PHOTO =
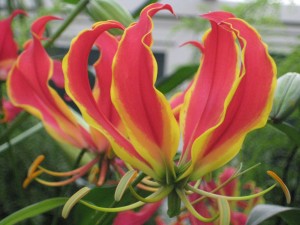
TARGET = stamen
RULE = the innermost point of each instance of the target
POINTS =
(224, 210)
(162, 193)
(32, 176)
(73, 200)
(234, 176)
(282, 185)
(35, 165)
(57, 183)
(231, 198)
(149, 182)
(191, 209)
(32, 173)
(103, 171)
(147, 188)
(71, 172)
(124, 183)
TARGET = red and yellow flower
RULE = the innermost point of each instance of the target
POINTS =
(230, 96)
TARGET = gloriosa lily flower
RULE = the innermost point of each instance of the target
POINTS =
(230, 96)
(29, 88)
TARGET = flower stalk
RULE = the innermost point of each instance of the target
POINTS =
(78, 8)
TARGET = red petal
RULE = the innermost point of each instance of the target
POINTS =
(145, 112)
(204, 102)
(8, 46)
(251, 103)
(28, 88)
(75, 65)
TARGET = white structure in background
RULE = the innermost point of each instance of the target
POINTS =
(281, 40)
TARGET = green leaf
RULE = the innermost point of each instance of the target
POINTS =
(33, 210)
(183, 73)
(292, 132)
(263, 212)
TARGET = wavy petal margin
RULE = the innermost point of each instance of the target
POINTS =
(75, 67)
(205, 102)
(248, 108)
(145, 112)
(28, 88)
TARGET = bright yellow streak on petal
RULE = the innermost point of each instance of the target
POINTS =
(282, 185)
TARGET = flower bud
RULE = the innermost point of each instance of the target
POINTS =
(102, 10)
(287, 96)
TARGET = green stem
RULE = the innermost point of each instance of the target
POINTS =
(10, 6)
(21, 136)
(15, 124)
(79, 158)
(138, 179)
(79, 7)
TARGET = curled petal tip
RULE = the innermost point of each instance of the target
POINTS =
(18, 12)
(194, 43)
(39, 25)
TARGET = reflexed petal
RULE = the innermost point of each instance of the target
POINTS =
(107, 45)
(75, 66)
(145, 112)
(28, 88)
(206, 100)
(250, 106)
(8, 46)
